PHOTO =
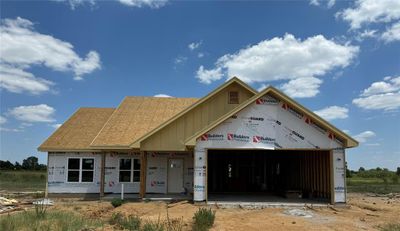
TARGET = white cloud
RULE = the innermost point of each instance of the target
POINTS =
(200, 55)
(389, 84)
(381, 95)
(10, 129)
(33, 113)
(366, 12)
(373, 144)
(364, 136)
(333, 112)
(56, 126)
(180, 59)
(162, 96)
(329, 3)
(302, 87)
(366, 34)
(3, 120)
(208, 76)
(131, 3)
(194, 45)
(387, 101)
(23, 47)
(284, 58)
(75, 3)
(17, 80)
(392, 34)
(141, 3)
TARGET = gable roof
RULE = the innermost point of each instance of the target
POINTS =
(136, 143)
(135, 117)
(348, 140)
(78, 131)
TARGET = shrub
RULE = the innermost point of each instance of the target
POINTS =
(131, 223)
(117, 202)
(40, 210)
(116, 219)
(203, 219)
(153, 226)
(395, 179)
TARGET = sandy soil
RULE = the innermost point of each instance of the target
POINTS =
(363, 212)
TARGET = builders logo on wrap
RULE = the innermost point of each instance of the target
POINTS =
(207, 137)
(252, 118)
(263, 139)
(238, 137)
(156, 183)
(267, 100)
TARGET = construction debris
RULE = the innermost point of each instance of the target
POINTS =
(4, 201)
(45, 201)
(299, 213)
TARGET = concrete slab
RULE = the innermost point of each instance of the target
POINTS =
(262, 201)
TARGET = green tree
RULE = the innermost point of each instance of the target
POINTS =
(30, 163)
(17, 165)
(398, 171)
(348, 172)
(6, 165)
(361, 169)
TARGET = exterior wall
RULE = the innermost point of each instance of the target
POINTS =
(157, 171)
(173, 136)
(265, 124)
(111, 178)
(156, 179)
(57, 174)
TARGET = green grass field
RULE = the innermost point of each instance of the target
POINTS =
(21, 180)
(372, 185)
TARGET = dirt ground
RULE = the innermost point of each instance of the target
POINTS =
(363, 212)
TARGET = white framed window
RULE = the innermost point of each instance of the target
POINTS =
(80, 170)
(129, 170)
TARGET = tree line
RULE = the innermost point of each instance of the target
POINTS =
(381, 173)
(30, 163)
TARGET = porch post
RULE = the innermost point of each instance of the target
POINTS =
(143, 172)
(102, 173)
(46, 193)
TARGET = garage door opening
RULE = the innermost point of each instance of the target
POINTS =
(268, 175)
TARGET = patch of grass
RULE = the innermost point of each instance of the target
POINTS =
(21, 180)
(390, 227)
(203, 219)
(51, 220)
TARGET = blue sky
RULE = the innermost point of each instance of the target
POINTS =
(332, 57)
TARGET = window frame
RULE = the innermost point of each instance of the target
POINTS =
(132, 169)
(80, 170)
